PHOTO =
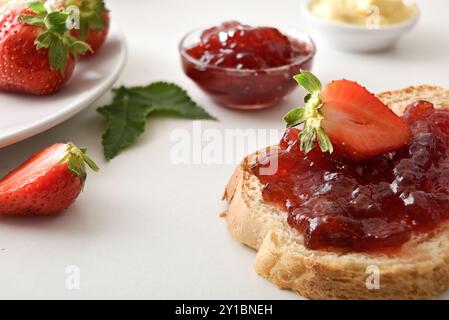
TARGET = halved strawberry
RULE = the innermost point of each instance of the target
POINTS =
(359, 123)
(47, 183)
(348, 117)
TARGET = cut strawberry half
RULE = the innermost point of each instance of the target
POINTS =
(47, 183)
(345, 116)
(359, 123)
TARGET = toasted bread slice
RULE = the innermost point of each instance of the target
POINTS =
(420, 270)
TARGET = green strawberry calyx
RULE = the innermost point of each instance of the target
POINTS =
(91, 16)
(56, 37)
(310, 115)
(76, 159)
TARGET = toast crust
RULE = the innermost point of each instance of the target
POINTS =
(419, 270)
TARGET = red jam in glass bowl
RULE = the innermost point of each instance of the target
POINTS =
(246, 67)
(374, 205)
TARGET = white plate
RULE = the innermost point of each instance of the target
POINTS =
(24, 116)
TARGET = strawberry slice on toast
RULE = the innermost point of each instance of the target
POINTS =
(348, 118)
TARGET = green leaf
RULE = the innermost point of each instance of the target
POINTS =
(44, 40)
(58, 55)
(32, 20)
(324, 142)
(76, 158)
(126, 122)
(37, 7)
(308, 137)
(103, 111)
(88, 160)
(169, 99)
(295, 117)
(126, 115)
(307, 97)
(79, 47)
(311, 115)
(55, 21)
(309, 81)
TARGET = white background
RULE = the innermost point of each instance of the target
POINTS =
(145, 228)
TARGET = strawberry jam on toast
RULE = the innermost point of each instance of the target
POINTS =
(358, 177)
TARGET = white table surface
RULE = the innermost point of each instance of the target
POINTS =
(148, 229)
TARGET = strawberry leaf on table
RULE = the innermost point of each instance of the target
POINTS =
(125, 122)
(168, 99)
(126, 115)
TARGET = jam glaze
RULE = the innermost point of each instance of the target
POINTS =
(375, 205)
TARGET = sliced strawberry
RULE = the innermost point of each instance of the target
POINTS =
(47, 183)
(348, 118)
(358, 123)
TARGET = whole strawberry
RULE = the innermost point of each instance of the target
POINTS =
(37, 51)
(47, 183)
(93, 23)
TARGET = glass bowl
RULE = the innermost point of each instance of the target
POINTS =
(246, 89)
